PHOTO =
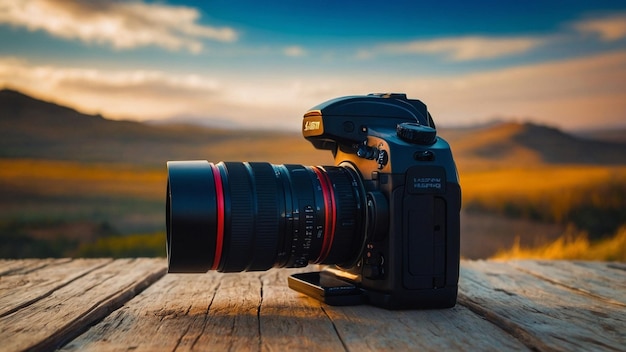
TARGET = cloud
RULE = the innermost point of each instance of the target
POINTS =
(470, 48)
(139, 94)
(459, 49)
(153, 94)
(123, 25)
(573, 93)
(294, 51)
(608, 28)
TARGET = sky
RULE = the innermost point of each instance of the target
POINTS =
(262, 64)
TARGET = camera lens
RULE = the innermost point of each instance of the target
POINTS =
(243, 216)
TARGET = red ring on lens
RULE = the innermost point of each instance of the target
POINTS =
(219, 235)
(329, 213)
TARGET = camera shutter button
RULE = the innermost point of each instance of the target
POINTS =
(415, 133)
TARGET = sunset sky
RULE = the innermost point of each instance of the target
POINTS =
(262, 64)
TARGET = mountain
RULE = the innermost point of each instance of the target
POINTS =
(617, 135)
(511, 143)
(31, 128)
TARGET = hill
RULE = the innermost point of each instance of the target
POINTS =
(526, 144)
(31, 128)
(617, 135)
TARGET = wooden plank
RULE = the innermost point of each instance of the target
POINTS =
(542, 315)
(366, 328)
(31, 283)
(23, 266)
(527, 305)
(242, 312)
(600, 279)
(292, 321)
(71, 308)
(230, 322)
(257, 311)
(157, 319)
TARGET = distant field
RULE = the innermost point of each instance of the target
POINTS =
(588, 202)
(591, 197)
(42, 191)
(75, 179)
(103, 209)
(536, 180)
(50, 208)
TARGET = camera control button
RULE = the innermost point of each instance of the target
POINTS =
(382, 159)
(425, 155)
(415, 133)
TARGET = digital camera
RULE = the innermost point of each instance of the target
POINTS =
(384, 218)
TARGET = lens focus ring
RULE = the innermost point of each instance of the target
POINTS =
(266, 235)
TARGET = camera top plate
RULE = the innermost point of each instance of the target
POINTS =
(347, 120)
(387, 105)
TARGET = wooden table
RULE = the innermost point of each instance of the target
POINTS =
(130, 304)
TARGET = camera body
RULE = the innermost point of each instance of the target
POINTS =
(410, 255)
(385, 216)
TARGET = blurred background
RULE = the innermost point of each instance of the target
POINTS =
(95, 97)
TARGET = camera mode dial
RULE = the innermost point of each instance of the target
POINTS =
(415, 133)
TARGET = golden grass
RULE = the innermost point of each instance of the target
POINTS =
(518, 180)
(550, 191)
(572, 246)
(70, 178)
(140, 245)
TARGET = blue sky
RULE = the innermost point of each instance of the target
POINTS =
(263, 64)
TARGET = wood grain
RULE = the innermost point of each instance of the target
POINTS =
(23, 266)
(600, 280)
(258, 312)
(69, 308)
(37, 282)
(129, 304)
(542, 315)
